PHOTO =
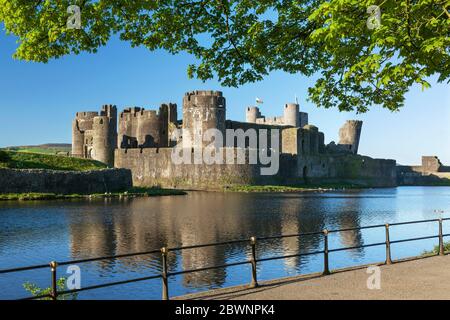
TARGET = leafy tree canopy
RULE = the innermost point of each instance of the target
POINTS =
(241, 41)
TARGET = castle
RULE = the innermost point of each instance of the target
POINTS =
(430, 172)
(143, 141)
(94, 135)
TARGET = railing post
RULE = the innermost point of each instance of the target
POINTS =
(388, 245)
(441, 239)
(326, 268)
(254, 283)
(54, 292)
(165, 284)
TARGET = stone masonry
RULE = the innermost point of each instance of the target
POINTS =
(145, 142)
(64, 182)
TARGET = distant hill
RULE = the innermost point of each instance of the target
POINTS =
(47, 148)
(28, 160)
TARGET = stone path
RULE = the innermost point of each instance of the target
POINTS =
(426, 278)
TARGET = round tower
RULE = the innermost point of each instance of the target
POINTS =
(147, 133)
(292, 115)
(110, 111)
(202, 110)
(350, 134)
(252, 114)
(103, 146)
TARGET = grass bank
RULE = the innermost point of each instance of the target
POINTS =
(435, 250)
(49, 148)
(131, 193)
(25, 160)
(291, 188)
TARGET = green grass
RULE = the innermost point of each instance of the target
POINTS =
(24, 160)
(294, 188)
(39, 150)
(51, 148)
(132, 193)
(152, 192)
(436, 249)
(442, 183)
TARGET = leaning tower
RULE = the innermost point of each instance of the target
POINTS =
(202, 110)
(350, 134)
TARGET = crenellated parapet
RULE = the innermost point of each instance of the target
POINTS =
(291, 116)
(140, 128)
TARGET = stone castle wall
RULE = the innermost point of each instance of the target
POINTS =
(431, 172)
(145, 146)
(64, 182)
(154, 167)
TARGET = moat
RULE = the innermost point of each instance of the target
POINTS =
(37, 232)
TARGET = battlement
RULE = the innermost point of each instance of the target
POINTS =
(86, 115)
(291, 116)
(136, 113)
(106, 107)
(275, 121)
(109, 110)
(100, 120)
(148, 114)
(204, 99)
(130, 112)
(204, 93)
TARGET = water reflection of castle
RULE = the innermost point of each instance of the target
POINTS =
(145, 224)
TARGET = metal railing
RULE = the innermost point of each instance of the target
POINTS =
(253, 261)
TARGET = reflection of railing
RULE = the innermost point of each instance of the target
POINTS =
(165, 274)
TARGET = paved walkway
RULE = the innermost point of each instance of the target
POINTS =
(426, 278)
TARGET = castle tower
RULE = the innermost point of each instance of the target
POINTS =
(292, 115)
(147, 133)
(104, 135)
(350, 134)
(202, 110)
(81, 125)
(111, 112)
(252, 114)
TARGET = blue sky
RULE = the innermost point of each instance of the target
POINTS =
(38, 101)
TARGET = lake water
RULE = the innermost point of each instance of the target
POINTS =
(38, 232)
